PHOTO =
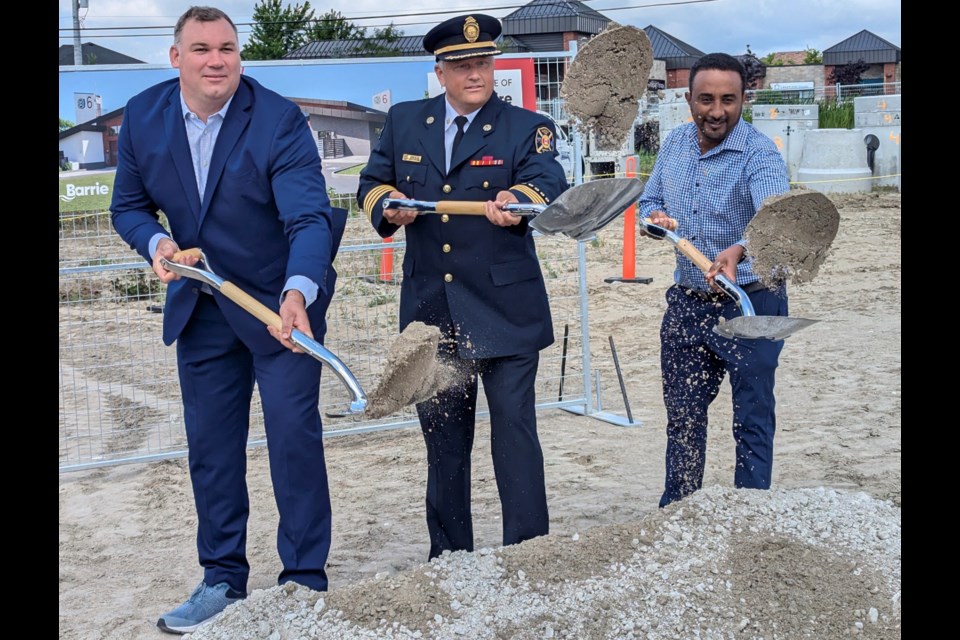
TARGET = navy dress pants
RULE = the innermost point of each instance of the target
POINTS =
(217, 375)
(693, 362)
(447, 422)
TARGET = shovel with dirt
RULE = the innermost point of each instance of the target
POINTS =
(579, 212)
(412, 373)
(789, 236)
(257, 309)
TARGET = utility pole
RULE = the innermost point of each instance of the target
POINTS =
(77, 47)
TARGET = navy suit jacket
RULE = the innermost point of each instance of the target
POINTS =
(462, 270)
(265, 215)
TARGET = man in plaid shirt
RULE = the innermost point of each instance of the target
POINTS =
(711, 176)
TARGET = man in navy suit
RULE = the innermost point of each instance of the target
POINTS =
(477, 278)
(234, 169)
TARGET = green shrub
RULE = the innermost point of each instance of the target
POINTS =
(835, 115)
(646, 162)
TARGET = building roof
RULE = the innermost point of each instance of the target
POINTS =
(339, 109)
(359, 48)
(554, 16)
(676, 53)
(513, 44)
(95, 54)
(863, 45)
(98, 124)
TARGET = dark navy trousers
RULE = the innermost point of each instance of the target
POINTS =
(447, 422)
(693, 362)
(217, 375)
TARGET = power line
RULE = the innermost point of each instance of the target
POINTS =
(169, 28)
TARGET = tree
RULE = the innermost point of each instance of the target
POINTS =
(771, 60)
(277, 30)
(812, 56)
(333, 26)
(378, 44)
(65, 124)
(753, 68)
(848, 73)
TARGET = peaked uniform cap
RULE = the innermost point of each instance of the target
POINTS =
(467, 36)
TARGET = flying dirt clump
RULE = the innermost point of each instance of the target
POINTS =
(603, 85)
(791, 235)
(412, 373)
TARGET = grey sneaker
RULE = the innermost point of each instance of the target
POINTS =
(204, 604)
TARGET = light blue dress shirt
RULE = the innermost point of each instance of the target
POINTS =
(202, 139)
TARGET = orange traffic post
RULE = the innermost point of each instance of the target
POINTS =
(629, 251)
(629, 228)
(386, 261)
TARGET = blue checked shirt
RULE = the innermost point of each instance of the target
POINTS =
(714, 195)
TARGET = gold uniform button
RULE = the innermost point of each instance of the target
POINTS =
(447, 188)
(448, 277)
(444, 218)
(446, 248)
(430, 120)
(486, 185)
(408, 178)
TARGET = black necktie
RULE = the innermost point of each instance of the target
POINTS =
(461, 122)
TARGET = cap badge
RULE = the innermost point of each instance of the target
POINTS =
(471, 30)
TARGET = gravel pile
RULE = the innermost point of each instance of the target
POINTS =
(724, 563)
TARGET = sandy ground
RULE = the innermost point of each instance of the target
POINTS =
(127, 533)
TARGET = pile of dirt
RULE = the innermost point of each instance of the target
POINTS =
(791, 235)
(807, 563)
(603, 85)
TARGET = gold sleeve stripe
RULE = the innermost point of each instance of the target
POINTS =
(374, 196)
(535, 197)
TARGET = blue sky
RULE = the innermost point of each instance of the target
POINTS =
(356, 83)
(709, 25)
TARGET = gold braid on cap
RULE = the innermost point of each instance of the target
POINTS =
(462, 47)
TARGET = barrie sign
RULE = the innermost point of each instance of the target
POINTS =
(75, 191)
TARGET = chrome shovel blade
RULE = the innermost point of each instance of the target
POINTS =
(761, 327)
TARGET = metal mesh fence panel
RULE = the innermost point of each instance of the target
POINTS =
(119, 392)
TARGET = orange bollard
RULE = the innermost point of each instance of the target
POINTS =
(630, 228)
(386, 261)
(629, 251)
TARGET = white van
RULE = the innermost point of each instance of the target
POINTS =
(564, 147)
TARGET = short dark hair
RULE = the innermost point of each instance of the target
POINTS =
(200, 14)
(719, 62)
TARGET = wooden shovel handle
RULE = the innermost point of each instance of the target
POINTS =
(686, 248)
(196, 253)
(247, 302)
(460, 207)
(251, 305)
